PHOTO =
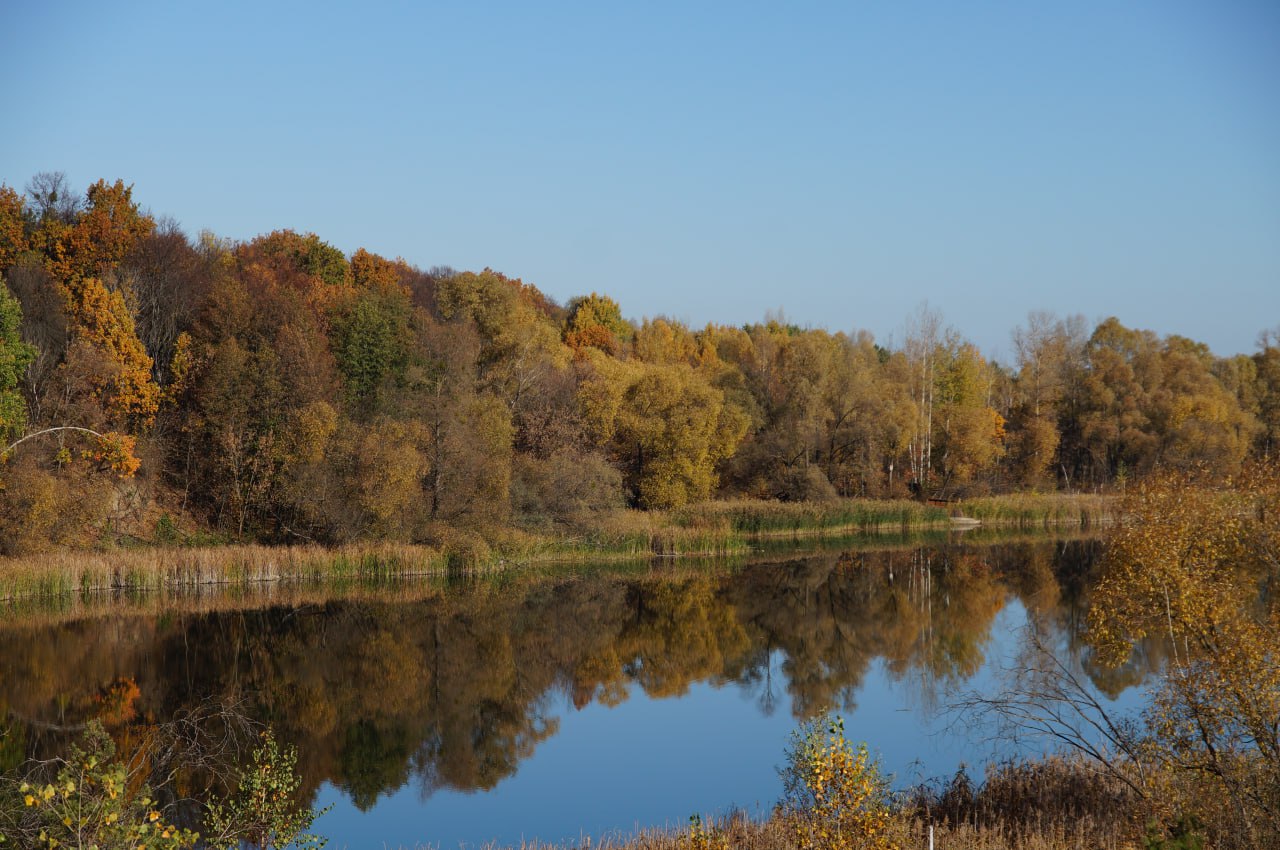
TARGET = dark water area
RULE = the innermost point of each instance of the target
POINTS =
(557, 707)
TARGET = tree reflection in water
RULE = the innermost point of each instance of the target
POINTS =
(455, 690)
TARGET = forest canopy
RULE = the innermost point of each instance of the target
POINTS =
(277, 389)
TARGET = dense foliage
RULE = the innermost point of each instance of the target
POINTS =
(1198, 566)
(102, 801)
(279, 390)
(1189, 574)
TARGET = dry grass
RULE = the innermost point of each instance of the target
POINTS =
(1042, 509)
(741, 833)
(166, 568)
(759, 518)
(1067, 799)
(709, 530)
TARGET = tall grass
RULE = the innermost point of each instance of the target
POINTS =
(767, 518)
(69, 573)
(711, 529)
(1042, 509)
(1020, 799)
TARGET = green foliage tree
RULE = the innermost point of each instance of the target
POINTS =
(371, 344)
(262, 811)
(91, 802)
(15, 357)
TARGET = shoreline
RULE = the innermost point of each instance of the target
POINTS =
(712, 530)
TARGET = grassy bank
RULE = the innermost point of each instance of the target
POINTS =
(756, 518)
(1040, 509)
(724, 529)
(65, 574)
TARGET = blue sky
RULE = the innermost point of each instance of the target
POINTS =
(840, 162)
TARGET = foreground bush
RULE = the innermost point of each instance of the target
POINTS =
(95, 801)
(833, 793)
(89, 803)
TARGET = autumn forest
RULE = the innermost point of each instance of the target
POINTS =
(277, 390)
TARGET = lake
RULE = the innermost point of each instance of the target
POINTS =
(562, 704)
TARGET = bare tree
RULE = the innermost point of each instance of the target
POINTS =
(923, 337)
(166, 280)
(52, 196)
(1051, 702)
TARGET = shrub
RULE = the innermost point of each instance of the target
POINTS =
(89, 804)
(261, 813)
(834, 796)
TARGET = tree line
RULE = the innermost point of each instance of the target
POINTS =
(278, 389)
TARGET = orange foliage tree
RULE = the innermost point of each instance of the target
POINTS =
(13, 235)
(102, 322)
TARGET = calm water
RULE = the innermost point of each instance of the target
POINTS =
(559, 707)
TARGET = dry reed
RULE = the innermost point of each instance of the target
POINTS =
(711, 529)
(1041, 509)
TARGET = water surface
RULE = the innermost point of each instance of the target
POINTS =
(562, 706)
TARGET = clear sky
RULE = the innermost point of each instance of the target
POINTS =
(842, 162)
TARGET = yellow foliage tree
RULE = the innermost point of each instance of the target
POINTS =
(1191, 564)
(672, 428)
(834, 795)
(100, 237)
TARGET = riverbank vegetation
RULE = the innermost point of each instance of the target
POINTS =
(70, 585)
(734, 530)
(1184, 590)
(156, 388)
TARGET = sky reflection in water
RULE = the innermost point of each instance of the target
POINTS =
(561, 706)
(653, 762)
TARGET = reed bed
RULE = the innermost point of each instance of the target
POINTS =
(64, 574)
(540, 565)
(725, 529)
(772, 834)
(1033, 797)
(1042, 509)
(758, 518)
(632, 535)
